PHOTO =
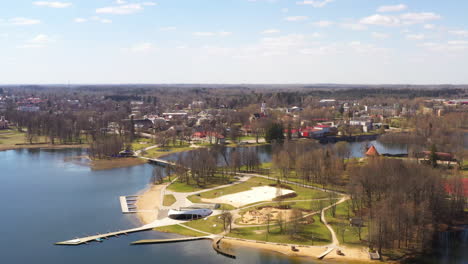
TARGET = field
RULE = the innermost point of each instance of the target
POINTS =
(311, 234)
(179, 229)
(302, 193)
(169, 200)
(192, 186)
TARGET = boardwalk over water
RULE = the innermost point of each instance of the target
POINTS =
(99, 237)
(171, 240)
(157, 161)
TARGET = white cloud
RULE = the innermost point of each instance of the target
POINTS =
(381, 20)
(167, 28)
(101, 20)
(142, 47)
(80, 20)
(21, 21)
(124, 9)
(105, 21)
(315, 3)
(404, 19)
(458, 42)
(323, 23)
(53, 4)
(461, 33)
(212, 34)
(417, 18)
(224, 33)
(378, 35)
(429, 26)
(354, 26)
(416, 36)
(39, 41)
(120, 2)
(270, 31)
(392, 8)
(316, 35)
(203, 34)
(296, 18)
(450, 46)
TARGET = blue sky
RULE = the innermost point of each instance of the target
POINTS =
(234, 41)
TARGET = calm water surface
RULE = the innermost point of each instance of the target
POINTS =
(265, 151)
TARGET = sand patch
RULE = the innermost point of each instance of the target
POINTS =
(256, 194)
(148, 204)
(351, 255)
(260, 217)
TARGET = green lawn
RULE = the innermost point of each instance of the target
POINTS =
(311, 206)
(211, 225)
(311, 234)
(141, 143)
(274, 173)
(169, 200)
(159, 152)
(350, 235)
(178, 229)
(193, 187)
(302, 193)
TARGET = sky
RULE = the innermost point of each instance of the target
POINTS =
(234, 41)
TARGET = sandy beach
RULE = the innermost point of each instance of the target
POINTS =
(352, 255)
(148, 204)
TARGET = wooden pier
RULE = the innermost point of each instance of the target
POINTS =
(171, 240)
(159, 162)
(328, 251)
(127, 203)
(99, 237)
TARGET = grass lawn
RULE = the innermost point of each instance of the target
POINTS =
(274, 173)
(312, 206)
(178, 229)
(351, 237)
(169, 200)
(141, 143)
(302, 193)
(106, 164)
(212, 224)
(159, 152)
(197, 199)
(311, 234)
(178, 186)
(11, 137)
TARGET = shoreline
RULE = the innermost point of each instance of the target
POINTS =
(148, 203)
(150, 200)
(352, 255)
(43, 146)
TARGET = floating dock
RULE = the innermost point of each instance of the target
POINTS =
(328, 251)
(99, 237)
(172, 240)
(127, 203)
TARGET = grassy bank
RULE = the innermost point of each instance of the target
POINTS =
(179, 229)
(192, 186)
(169, 200)
(106, 164)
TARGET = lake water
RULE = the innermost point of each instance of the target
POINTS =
(265, 151)
(46, 200)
